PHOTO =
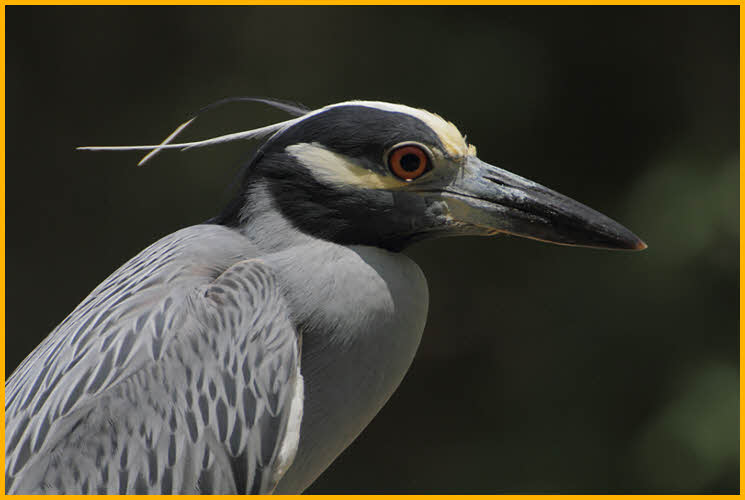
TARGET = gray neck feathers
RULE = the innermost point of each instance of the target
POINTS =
(264, 224)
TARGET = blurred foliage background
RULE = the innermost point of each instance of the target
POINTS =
(543, 368)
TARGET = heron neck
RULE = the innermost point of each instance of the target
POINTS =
(266, 226)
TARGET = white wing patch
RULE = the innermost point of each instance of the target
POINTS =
(289, 445)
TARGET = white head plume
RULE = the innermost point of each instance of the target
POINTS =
(256, 133)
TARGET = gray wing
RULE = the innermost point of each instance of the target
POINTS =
(176, 375)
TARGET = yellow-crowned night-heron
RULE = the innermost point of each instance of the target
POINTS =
(244, 354)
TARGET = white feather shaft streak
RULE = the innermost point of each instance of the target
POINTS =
(248, 134)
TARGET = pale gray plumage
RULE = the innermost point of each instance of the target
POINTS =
(362, 311)
(243, 355)
(173, 373)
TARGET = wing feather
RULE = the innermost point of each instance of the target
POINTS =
(176, 375)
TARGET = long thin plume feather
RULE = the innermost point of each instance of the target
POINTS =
(292, 108)
(247, 134)
(258, 133)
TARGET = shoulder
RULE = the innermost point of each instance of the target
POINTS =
(196, 301)
(123, 324)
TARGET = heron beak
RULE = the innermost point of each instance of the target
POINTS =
(501, 202)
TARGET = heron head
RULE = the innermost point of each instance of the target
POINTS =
(383, 174)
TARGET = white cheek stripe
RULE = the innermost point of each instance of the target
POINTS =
(339, 170)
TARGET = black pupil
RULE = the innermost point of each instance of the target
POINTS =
(410, 162)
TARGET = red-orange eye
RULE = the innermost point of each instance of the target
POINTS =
(408, 162)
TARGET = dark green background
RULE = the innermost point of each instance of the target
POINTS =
(542, 368)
